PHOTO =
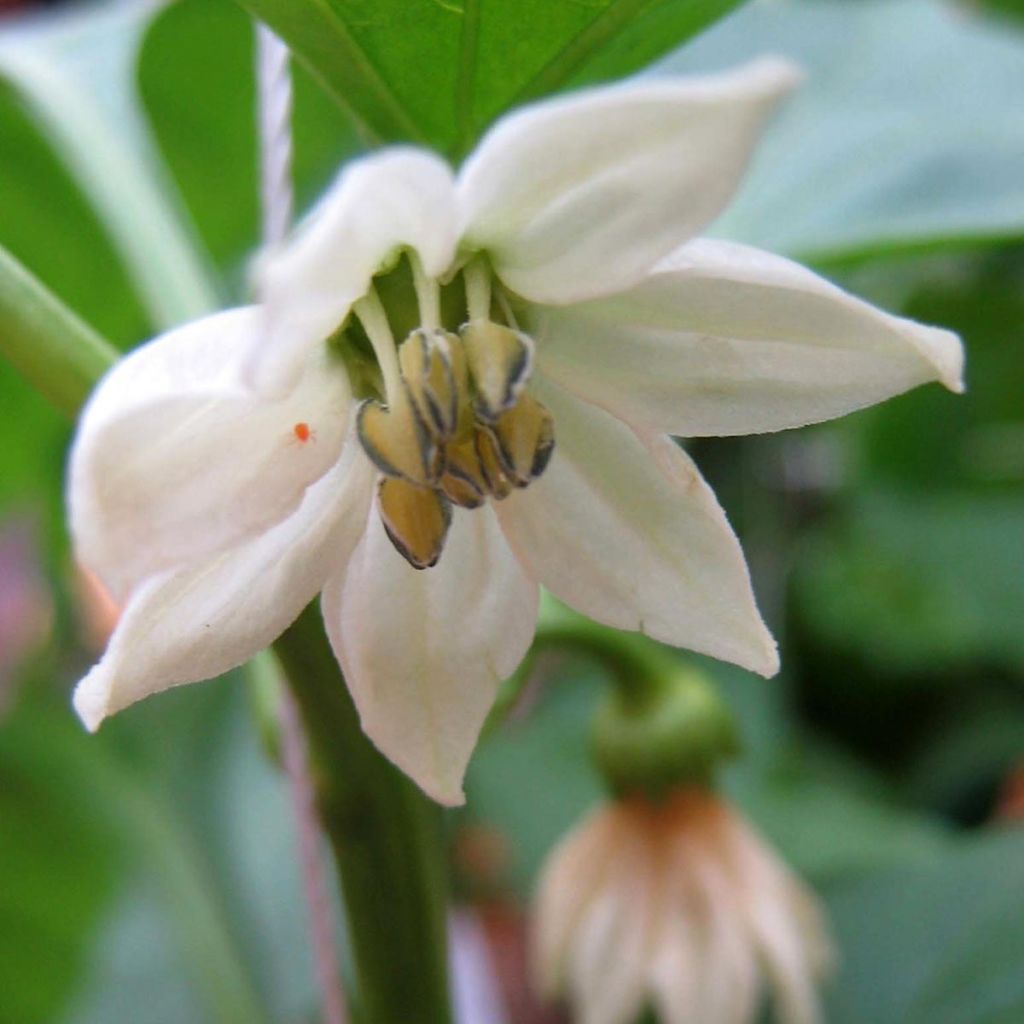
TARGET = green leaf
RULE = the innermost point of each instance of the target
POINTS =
(196, 76)
(937, 943)
(901, 137)
(438, 71)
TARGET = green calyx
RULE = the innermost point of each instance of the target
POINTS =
(661, 726)
(665, 731)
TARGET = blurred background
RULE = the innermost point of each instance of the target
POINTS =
(148, 875)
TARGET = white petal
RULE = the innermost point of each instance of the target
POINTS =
(196, 623)
(613, 943)
(579, 196)
(725, 339)
(568, 882)
(622, 527)
(175, 459)
(785, 924)
(424, 651)
(400, 198)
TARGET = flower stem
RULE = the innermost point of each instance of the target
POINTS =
(385, 835)
(46, 342)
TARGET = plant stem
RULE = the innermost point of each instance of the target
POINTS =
(59, 354)
(385, 835)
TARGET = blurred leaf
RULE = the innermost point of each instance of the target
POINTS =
(170, 820)
(196, 75)
(48, 224)
(918, 584)
(76, 74)
(961, 762)
(532, 778)
(939, 943)
(29, 469)
(58, 858)
(932, 439)
(438, 71)
(134, 818)
(901, 138)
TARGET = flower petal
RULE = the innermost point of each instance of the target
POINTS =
(613, 944)
(579, 196)
(569, 881)
(784, 921)
(424, 651)
(378, 205)
(196, 623)
(725, 339)
(623, 528)
(175, 460)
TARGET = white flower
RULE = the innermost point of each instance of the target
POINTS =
(680, 906)
(552, 296)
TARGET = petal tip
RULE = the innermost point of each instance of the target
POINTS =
(944, 351)
(768, 664)
(91, 701)
(778, 76)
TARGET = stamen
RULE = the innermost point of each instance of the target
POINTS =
(524, 438)
(464, 480)
(397, 440)
(478, 290)
(501, 361)
(375, 322)
(434, 368)
(416, 520)
(498, 485)
(428, 293)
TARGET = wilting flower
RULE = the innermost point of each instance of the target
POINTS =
(430, 346)
(679, 906)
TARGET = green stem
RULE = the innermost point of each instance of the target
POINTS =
(386, 839)
(637, 662)
(47, 343)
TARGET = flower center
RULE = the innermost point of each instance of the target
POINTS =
(455, 424)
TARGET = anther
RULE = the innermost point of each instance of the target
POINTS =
(500, 362)
(416, 520)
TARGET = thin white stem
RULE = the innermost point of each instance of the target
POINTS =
(296, 762)
(375, 322)
(428, 294)
(478, 290)
(275, 112)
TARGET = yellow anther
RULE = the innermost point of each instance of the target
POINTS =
(498, 484)
(416, 519)
(434, 369)
(464, 481)
(397, 440)
(500, 362)
(524, 438)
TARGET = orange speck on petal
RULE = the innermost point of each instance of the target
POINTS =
(302, 432)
